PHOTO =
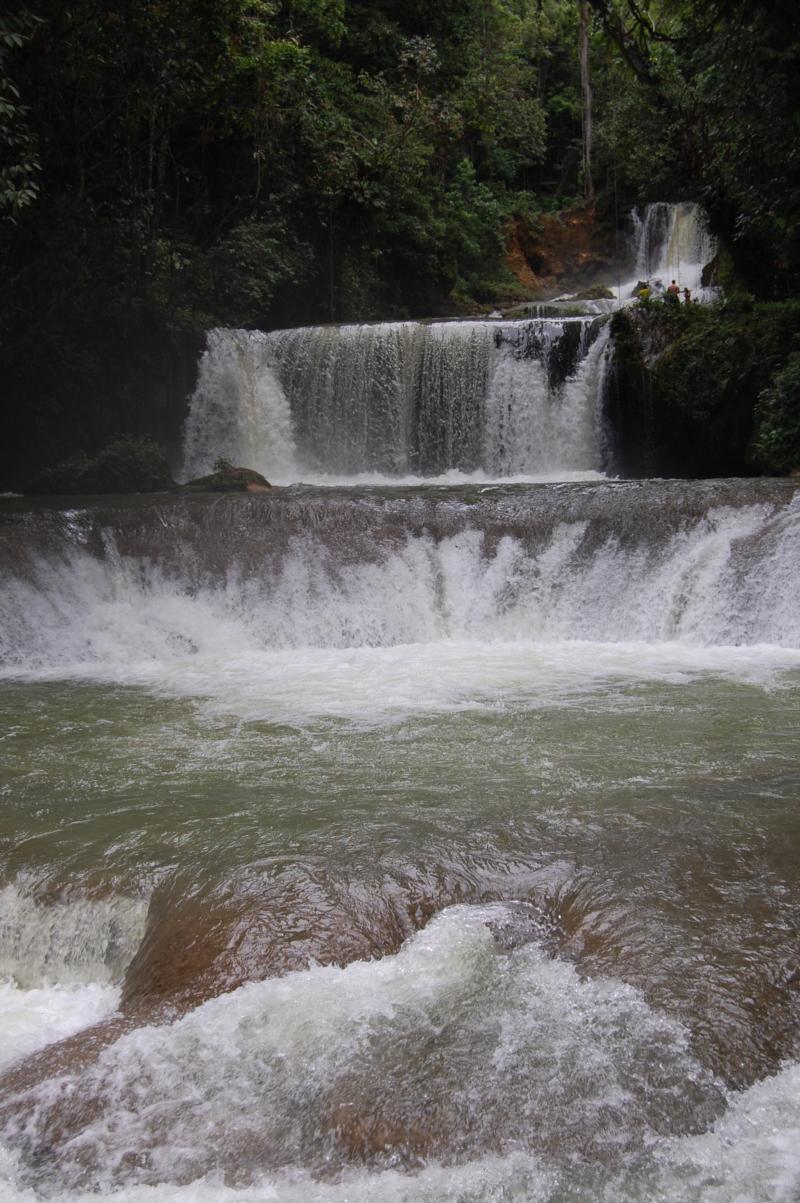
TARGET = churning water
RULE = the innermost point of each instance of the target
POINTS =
(433, 843)
(436, 844)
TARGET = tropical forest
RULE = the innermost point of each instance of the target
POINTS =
(399, 581)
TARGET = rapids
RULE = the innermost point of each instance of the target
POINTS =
(433, 840)
(422, 844)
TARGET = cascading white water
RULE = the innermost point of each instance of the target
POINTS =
(554, 583)
(673, 242)
(400, 399)
(60, 966)
(304, 722)
(405, 400)
(239, 411)
(530, 427)
(71, 943)
(337, 711)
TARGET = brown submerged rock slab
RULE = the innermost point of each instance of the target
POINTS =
(197, 947)
(367, 1133)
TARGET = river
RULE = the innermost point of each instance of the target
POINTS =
(431, 840)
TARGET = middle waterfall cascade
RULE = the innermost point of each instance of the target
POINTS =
(674, 573)
(401, 399)
(396, 402)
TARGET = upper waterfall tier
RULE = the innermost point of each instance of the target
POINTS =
(673, 242)
(401, 399)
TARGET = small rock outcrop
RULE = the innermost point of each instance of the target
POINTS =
(226, 478)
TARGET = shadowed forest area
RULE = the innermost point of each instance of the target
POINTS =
(166, 167)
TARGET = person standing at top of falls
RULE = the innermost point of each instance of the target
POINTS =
(674, 293)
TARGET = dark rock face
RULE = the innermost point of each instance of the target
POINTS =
(682, 392)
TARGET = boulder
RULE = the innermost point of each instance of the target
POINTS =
(228, 479)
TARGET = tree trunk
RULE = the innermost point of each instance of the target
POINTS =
(586, 91)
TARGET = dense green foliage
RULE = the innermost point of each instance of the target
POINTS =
(166, 166)
(125, 465)
(708, 107)
(777, 444)
(687, 379)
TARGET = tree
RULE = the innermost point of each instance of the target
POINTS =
(586, 90)
(19, 160)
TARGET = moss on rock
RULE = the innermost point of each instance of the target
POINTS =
(685, 383)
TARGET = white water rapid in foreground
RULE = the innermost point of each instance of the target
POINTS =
(433, 842)
(428, 844)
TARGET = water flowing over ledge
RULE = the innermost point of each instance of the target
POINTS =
(401, 399)
(422, 845)
(400, 773)
(165, 580)
(398, 401)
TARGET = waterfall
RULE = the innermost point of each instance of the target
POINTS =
(154, 593)
(239, 411)
(401, 399)
(672, 242)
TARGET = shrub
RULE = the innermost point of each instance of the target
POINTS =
(125, 465)
(777, 443)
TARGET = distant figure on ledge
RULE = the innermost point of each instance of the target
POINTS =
(674, 293)
(687, 296)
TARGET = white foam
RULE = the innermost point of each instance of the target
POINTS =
(83, 942)
(445, 479)
(751, 1155)
(30, 1019)
(430, 626)
(489, 1180)
(514, 1048)
(517, 1051)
